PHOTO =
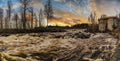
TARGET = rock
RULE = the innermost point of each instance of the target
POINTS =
(2, 49)
(99, 60)
(6, 57)
(82, 35)
(58, 36)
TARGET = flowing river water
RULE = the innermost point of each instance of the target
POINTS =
(72, 45)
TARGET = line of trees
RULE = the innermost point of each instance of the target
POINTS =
(27, 18)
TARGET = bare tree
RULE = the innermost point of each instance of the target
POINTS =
(119, 22)
(6, 19)
(21, 21)
(32, 16)
(25, 5)
(48, 10)
(92, 19)
(1, 18)
(9, 3)
(40, 17)
(36, 21)
(118, 15)
(16, 20)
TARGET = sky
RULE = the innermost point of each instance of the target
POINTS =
(108, 7)
(76, 8)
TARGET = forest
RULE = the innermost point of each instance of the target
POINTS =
(26, 18)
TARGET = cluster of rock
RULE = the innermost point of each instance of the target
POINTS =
(66, 35)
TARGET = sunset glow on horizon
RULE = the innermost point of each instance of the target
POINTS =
(71, 11)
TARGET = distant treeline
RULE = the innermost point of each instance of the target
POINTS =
(44, 29)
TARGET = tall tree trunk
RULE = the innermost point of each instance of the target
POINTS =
(32, 15)
(6, 23)
(36, 24)
(1, 23)
(40, 17)
(16, 19)
(24, 20)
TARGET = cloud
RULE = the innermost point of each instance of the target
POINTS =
(108, 7)
(81, 8)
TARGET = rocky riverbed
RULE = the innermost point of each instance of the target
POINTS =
(72, 45)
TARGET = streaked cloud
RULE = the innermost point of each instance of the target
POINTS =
(81, 8)
(108, 7)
